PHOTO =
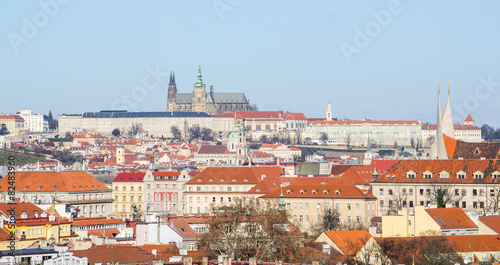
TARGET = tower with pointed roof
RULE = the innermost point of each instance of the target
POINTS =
(329, 113)
(120, 153)
(172, 92)
(469, 121)
(438, 149)
(198, 102)
(281, 203)
(447, 120)
(368, 153)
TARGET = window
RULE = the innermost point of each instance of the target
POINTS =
(301, 218)
(295, 206)
(295, 218)
(381, 203)
(411, 175)
(457, 192)
(474, 192)
(390, 191)
(464, 205)
(481, 192)
(481, 205)
(190, 199)
(348, 206)
(461, 175)
(206, 199)
(337, 207)
(474, 205)
(464, 192)
(427, 192)
(357, 218)
(381, 192)
(411, 204)
(375, 257)
(327, 206)
(300, 206)
(421, 192)
(318, 218)
(348, 219)
(411, 191)
(404, 191)
(307, 206)
(318, 206)
(357, 207)
(307, 218)
(390, 203)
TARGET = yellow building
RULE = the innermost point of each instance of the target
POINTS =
(308, 202)
(14, 123)
(33, 224)
(128, 189)
(443, 221)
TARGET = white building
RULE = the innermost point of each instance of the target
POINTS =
(468, 132)
(356, 132)
(34, 122)
(156, 124)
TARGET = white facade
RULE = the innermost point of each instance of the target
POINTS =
(147, 233)
(155, 126)
(383, 133)
(34, 122)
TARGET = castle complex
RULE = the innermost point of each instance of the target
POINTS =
(201, 101)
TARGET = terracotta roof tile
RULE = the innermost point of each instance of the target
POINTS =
(122, 254)
(213, 149)
(235, 175)
(339, 191)
(130, 177)
(54, 181)
(451, 218)
(349, 242)
(104, 233)
(465, 150)
(493, 222)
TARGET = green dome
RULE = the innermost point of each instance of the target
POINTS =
(232, 135)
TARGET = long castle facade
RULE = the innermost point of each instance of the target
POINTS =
(201, 101)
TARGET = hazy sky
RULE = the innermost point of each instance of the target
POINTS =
(370, 59)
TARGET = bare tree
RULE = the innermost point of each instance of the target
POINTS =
(443, 193)
(176, 133)
(135, 129)
(397, 201)
(323, 138)
(244, 229)
(493, 200)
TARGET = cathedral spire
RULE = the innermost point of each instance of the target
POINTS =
(199, 79)
(211, 84)
(440, 148)
(447, 120)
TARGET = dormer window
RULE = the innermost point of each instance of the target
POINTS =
(211, 180)
(477, 151)
(337, 192)
(40, 188)
(461, 175)
(411, 174)
(288, 192)
(478, 175)
(325, 192)
(199, 180)
(26, 188)
(222, 180)
(427, 174)
(314, 192)
(496, 175)
(54, 188)
(444, 175)
(234, 180)
(246, 180)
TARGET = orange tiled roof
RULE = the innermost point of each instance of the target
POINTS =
(469, 118)
(337, 191)
(259, 115)
(380, 122)
(213, 149)
(273, 183)
(294, 116)
(451, 218)
(104, 233)
(20, 207)
(17, 117)
(95, 221)
(493, 222)
(235, 175)
(464, 150)
(397, 173)
(54, 181)
(122, 254)
(349, 242)
(130, 177)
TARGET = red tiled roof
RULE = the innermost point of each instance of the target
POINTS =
(19, 208)
(130, 177)
(54, 181)
(106, 253)
(17, 117)
(350, 242)
(464, 150)
(273, 183)
(335, 191)
(397, 173)
(451, 218)
(104, 233)
(294, 116)
(357, 175)
(456, 127)
(383, 165)
(95, 221)
(259, 115)
(260, 154)
(213, 149)
(381, 122)
(493, 222)
(469, 118)
(461, 243)
(235, 175)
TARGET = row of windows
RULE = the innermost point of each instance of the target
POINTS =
(457, 192)
(124, 208)
(93, 208)
(89, 197)
(214, 199)
(220, 189)
(463, 204)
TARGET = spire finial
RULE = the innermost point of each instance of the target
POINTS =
(448, 87)
(439, 89)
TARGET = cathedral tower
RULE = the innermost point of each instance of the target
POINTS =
(447, 120)
(172, 92)
(199, 98)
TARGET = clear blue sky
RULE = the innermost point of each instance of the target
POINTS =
(285, 55)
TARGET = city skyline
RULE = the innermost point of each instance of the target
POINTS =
(382, 60)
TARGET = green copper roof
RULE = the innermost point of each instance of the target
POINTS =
(232, 135)
(281, 203)
(199, 80)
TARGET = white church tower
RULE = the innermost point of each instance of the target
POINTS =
(329, 113)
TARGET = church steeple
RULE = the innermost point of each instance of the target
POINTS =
(211, 85)
(199, 79)
(438, 150)
(172, 92)
(329, 112)
(447, 120)
(281, 203)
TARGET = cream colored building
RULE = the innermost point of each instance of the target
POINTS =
(356, 132)
(156, 124)
(34, 122)
(469, 184)
(220, 186)
(14, 123)
(307, 204)
(422, 221)
(128, 189)
(164, 191)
